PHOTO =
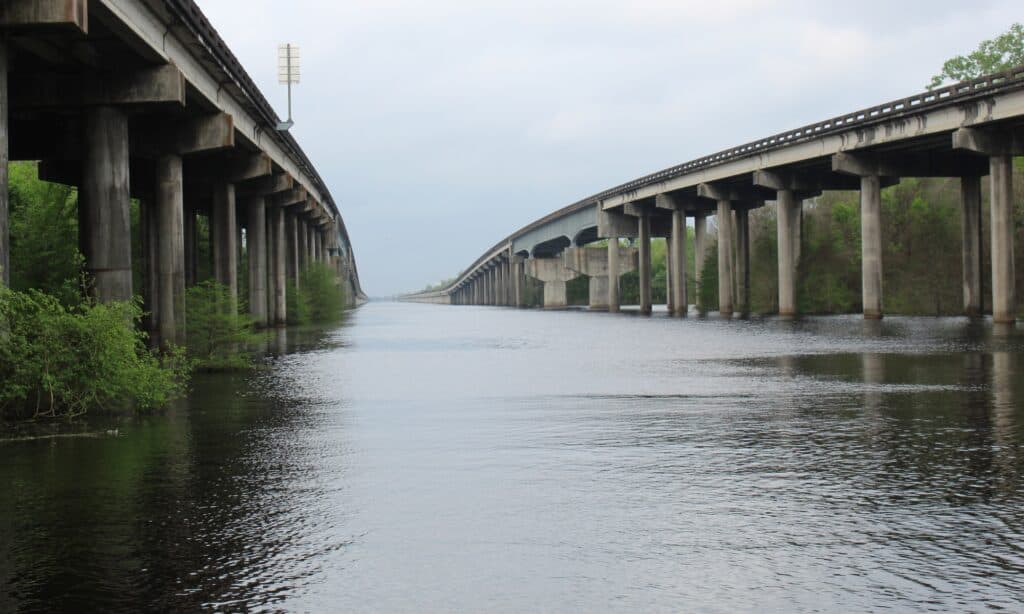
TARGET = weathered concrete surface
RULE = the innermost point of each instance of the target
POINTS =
(1004, 296)
(224, 235)
(644, 244)
(725, 269)
(170, 204)
(104, 204)
(742, 262)
(787, 211)
(256, 249)
(871, 241)
(677, 264)
(700, 241)
(279, 266)
(595, 263)
(553, 273)
(970, 224)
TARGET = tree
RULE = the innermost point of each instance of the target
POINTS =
(1000, 53)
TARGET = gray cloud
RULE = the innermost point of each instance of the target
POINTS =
(442, 126)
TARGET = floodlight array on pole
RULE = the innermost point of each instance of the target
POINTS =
(288, 73)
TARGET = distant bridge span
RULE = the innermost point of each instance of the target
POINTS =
(967, 131)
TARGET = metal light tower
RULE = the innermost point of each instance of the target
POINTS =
(287, 72)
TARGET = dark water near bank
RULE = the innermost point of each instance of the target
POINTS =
(425, 458)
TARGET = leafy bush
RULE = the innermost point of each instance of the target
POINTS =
(296, 304)
(60, 361)
(218, 338)
(325, 297)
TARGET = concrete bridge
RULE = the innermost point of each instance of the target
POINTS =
(967, 131)
(143, 99)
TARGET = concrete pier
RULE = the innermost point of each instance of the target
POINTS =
(677, 260)
(596, 264)
(518, 281)
(310, 243)
(191, 246)
(970, 217)
(104, 204)
(787, 211)
(499, 284)
(742, 263)
(256, 248)
(170, 251)
(291, 233)
(613, 274)
(553, 273)
(279, 266)
(224, 236)
(871, 250)
(1004, 298)
(725, 246)
(644, 241)
(700, 242)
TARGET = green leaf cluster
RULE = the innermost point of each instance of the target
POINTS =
(217, 336)
(319, 298)
(58, 361)
(994, 55)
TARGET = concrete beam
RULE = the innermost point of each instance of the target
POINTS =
(677, 202)
(60, 14)
(753, 195)
(161, 85)
(615, 224)
(908, 165)
(266, 186)
(184, 136)
(296, 196)
(990, 142)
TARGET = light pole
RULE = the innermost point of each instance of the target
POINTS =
(287, 73)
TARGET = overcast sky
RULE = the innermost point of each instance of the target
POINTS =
(442, 126)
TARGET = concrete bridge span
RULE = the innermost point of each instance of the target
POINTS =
(968, 131)
(142, 99)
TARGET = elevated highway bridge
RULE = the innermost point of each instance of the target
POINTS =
(143, 99)
(968, 131)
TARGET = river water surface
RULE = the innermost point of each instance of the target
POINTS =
(429, 458)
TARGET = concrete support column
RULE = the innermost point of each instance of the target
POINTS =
(279, 266)
(725, 244)
(644, 240)
(871, 240)
(613, 274)
(700, 237)
(256, 243)
(224, 235)
(494, 285)
(5, 227)
(149, 229)
(677, 259)
(1004, 297)
(970, 217)
(788, 210)
(170, 207)
(553, 273)
(518, 281)
(191, 247)
(291, 236)
(743, 261)
(499, 285)
(302, 259)
(104, 204)
(310, 244)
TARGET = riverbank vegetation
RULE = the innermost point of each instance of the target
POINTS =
(63, 354)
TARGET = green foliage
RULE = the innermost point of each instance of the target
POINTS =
(1000, 53)
(60, 361)
(324, 295)
(296, 305)
(44, 234)
(218, 337)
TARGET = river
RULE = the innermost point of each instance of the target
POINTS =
(430, 458)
